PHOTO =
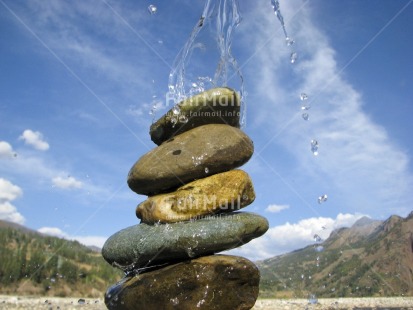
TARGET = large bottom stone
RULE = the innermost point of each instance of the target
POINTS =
(209, 282)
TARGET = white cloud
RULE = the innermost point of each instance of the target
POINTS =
(8, 212)
(276, 208)
(98, 241)
(9, 192)
(289, 237)
(35, 139)
(356, 157)
(66, 183)
(6, 150)
(53, 231)
(85, 240)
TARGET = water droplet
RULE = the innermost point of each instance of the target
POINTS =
(303, 96)
(317, 238)
(312, 299)
(206, 170)
(190, 252)
(289, 41)
(302, 276)
(152, 9)
(176, 110)
(305, 116)
(322, 199)
(183, 119)
(174, 120)
(314, 147)
(81, 301)
(293, 57)
(319, 248)
(197, 160)
(174, 301)
(198, 305)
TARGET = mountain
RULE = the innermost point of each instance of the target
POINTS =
(36, 264)
(371, 258)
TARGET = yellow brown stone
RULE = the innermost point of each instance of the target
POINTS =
(222, 192)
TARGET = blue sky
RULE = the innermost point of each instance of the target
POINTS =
(78, 81)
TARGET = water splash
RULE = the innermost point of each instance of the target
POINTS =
(305, 116)
(319, 248)
(317, 238)
(312, 299)
(190, 74)
(322, 199)
(314, 147)
(288, 40)
(293, 57)
(152, 9)
(276, 7)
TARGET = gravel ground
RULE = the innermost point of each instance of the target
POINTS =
(398, 303)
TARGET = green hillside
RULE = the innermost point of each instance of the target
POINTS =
(35, 264)
(372, 258)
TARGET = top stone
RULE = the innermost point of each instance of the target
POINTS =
(215, 106)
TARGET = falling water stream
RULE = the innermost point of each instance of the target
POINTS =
(209, 42)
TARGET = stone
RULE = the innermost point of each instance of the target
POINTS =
(215, 106)
(222, 192)
(141, 246)
(213, 148)
(210, 282)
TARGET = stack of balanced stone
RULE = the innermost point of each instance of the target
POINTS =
(191, 213)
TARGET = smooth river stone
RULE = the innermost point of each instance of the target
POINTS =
(209, 282)
(143, 245)
(214, 106)
(195, 154)
(222, 192)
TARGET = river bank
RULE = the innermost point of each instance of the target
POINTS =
(382, 303)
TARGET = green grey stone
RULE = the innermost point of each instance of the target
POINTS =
(143, 245)
(184, 158)
(210, 282)
(214, 106)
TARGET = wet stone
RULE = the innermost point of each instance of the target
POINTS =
(209, 282)
(184, 158)
(215, 106)
(222, 192)
(144, 245)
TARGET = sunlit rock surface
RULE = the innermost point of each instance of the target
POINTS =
(214, 106)
(195, 154)
(222, 192)
(209, 282)
(146, 245)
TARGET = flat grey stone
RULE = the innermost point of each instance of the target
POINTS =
(143, 245)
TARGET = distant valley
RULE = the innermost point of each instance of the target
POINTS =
(372, 258)
(37, 264)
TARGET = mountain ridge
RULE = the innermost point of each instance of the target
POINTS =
(370, 258)
(33, 263)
